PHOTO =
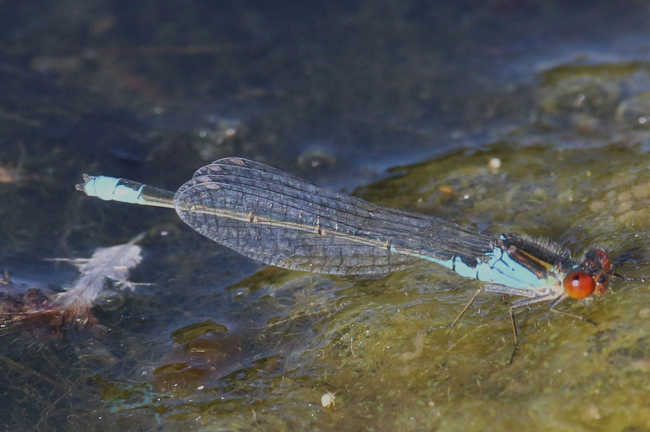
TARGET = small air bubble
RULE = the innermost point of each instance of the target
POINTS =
(495, 163)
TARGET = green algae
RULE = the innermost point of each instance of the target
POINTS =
(611, 71)
(213, 348)
(192, 331)
(349, 336)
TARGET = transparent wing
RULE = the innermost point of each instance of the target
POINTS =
(282, 220)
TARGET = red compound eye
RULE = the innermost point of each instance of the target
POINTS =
(579, 285)
(604, 260)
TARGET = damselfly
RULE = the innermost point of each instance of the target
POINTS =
(284, 221)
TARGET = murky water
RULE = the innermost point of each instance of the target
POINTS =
(279, 340)
(259, 353)
(213, 341)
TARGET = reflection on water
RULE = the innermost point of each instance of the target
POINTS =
(217, 342)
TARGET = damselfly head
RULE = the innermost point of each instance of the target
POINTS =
(590, 277)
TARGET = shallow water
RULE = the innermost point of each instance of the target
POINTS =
(218, 342)
(197, 351)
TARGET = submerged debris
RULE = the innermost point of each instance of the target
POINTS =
(74, 305)
(328, 399)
